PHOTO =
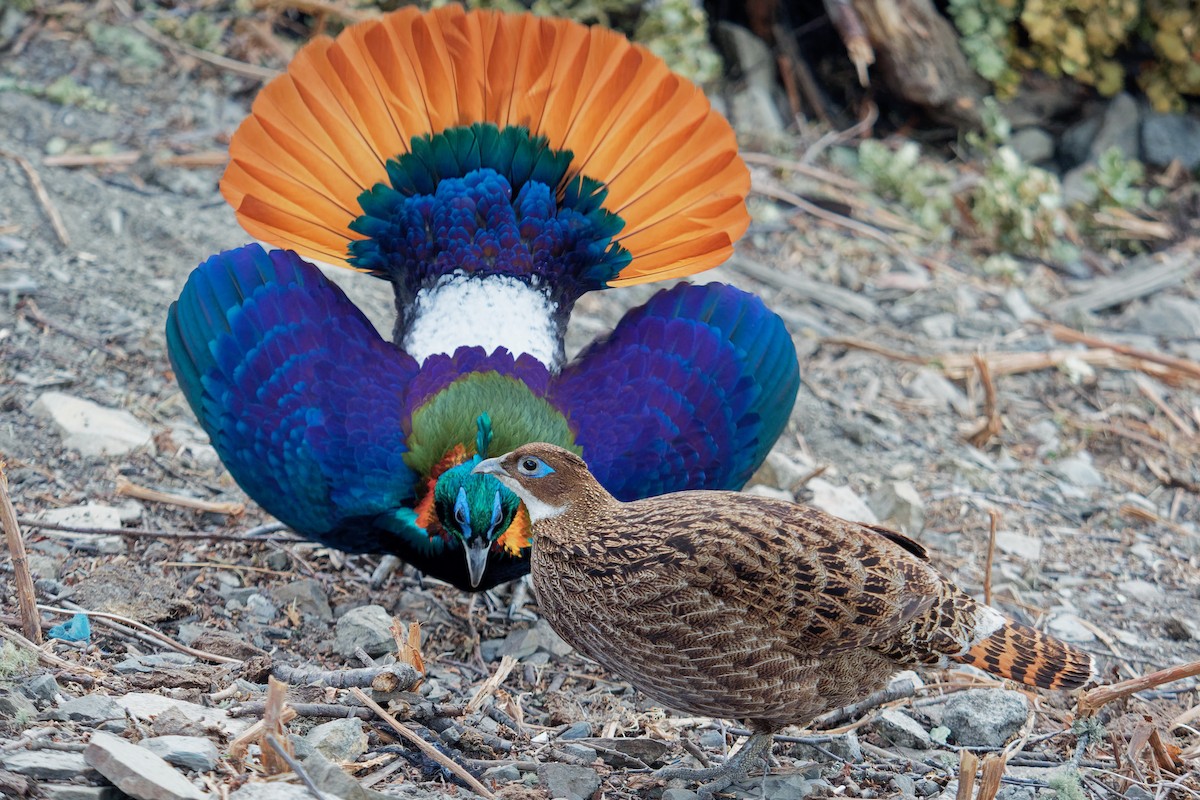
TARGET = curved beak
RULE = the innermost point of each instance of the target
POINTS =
(477, 556)
(489, 466)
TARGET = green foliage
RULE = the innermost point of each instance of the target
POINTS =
(198, 29)
(1018, 206)
(920, 185)
(1067, 786)
(64, 91)
(1083, 39)
(15, 662)
(127, 45)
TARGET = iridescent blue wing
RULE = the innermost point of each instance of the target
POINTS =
(690, 391)
(301, 397)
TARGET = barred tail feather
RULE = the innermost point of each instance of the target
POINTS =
(1027, 655)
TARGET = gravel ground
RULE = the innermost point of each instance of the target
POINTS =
(1088, 475)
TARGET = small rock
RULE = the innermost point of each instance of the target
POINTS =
(985, 717)
(190, 752)
(675, 793)
(841, 501)
(1171, 137)
(938, 326)
(937, 389)
(179, 717)
(71, 791)
(261, 608)
(578, 730)
(1070, 628)
(11, 244)
(1136, 792)
(368, 627)
(136, 771)
(540, 637)
(900, 502)
(340, 740)
(92, 710)
(1078, 470)
(845, 748)
(1033, 145)
(1142, 591)
(581, 751)
(90, 428)
(502, 774)
(88, 515)
(780, 787)
(271, 791)
(1119, 128)
(335, 781)
(761, 490)
(782, 471)
(1027, 548)
(41, 689)
(44, 765)
(1018, 305)
(905, 785)
(901, 730)
(14, 705)
(1170, 317)
(623, 751)
(568, 781)
(308, 597)
(152, 662)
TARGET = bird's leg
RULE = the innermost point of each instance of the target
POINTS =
(732, 771)
(516, 603)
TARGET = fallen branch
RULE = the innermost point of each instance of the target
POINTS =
(125, 488)
(488, 687)
(39, 189)
(425, 747)
(131, 627)
(390, 678)
(1064, 334)
(1095, 699)
(26, 596)
(143, 533)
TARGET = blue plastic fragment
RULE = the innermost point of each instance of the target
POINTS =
(77, 629)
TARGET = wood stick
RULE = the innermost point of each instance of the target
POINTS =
(144, 533)
(424, 746)
(1064, 334)
(126, 488)
(993, 523)
(990, 775)
(131, 627)
(968, 765)
(275, 762)
(1095, 699)
(90, 160)
(26, 596)
(39, 189)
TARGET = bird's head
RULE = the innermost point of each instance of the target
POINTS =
(546, 478)
(476, 509)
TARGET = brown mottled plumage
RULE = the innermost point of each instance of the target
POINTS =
(748, 608)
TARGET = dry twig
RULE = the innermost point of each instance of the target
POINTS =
(131, 627)
(1101, 696)
(991, 424)
(127, 488)
(968, 765)
(488, 687)
(993, 523)
(26, 596)
(39, 189)
(390, 678)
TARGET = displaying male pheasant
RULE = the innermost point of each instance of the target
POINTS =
(493, 168)
(742, 607)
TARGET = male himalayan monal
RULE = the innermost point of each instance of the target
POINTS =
(751, 608)
(493, 167)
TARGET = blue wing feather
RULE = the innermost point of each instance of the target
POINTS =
(302, 399)
(690, 391)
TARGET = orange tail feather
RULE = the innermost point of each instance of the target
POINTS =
(1026, 655)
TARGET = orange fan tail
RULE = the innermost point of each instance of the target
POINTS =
(1028, 656)
(347, 157)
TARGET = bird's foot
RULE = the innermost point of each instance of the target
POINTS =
(732, 771)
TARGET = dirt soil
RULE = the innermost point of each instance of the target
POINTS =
(1089, 475)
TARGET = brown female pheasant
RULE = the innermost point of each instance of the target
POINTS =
(742, 607)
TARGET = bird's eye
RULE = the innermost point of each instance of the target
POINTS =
(534, 467)
(462, 509)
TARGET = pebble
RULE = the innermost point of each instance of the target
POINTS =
(1033, 145)
(938, 326)
(901, 730)
(261, 608)
(568, 781)
(190, 752)
(778, 787)
(308, 597)
(136, 771)
(841, 501)
(1142, 591)
(1170, 317)
(90, 428)
(985, 717)
(153, 662)
(271, 791)
(623, 751)
(676, 793)
(762, 490)
(44, 765)
(506, 773)
(1171, 137)
(180, 717)
(71, 791)
(340, 740)
(14, 705)
(1027, 548)
(1078, 470)
(845, 747)
(539, 637)
(1070, 628)
(936, 388)
(42, 688)
(900, 502)
(93, 710)
(368, 627)
(333, 781)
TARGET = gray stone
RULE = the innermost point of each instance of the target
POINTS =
(901, 730)
(540, 637)
(92, 429)
(340, 740)
(675, 793)
(985, 717)
(900, 502)
(568, 780)
(308, 597)
(1033, 145)
(779, 787)
(844, 748)
(152, 662)
(368, 627)
(1142, 591)
(92, 710)
(261, 608)
(761, 490)
(14, 705)
(841, 501)
(1018, 305)
(905, 785)
(41, 689)
(179, 717)
(88, 515)
(44, 765)
(190, 752)
(938, 326)
(581, 751)
(753, 108)
(335, 781)
(1119, 128)
(578, 730)
(936, 388)
(1170, 317)
(136, 771)
(1027, 548)
(619, 752)
(1078, 470)
(1171, 137)
(71, 791)
(1136, 792)
(271, 791)
(1069, 628)
(502, 774)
